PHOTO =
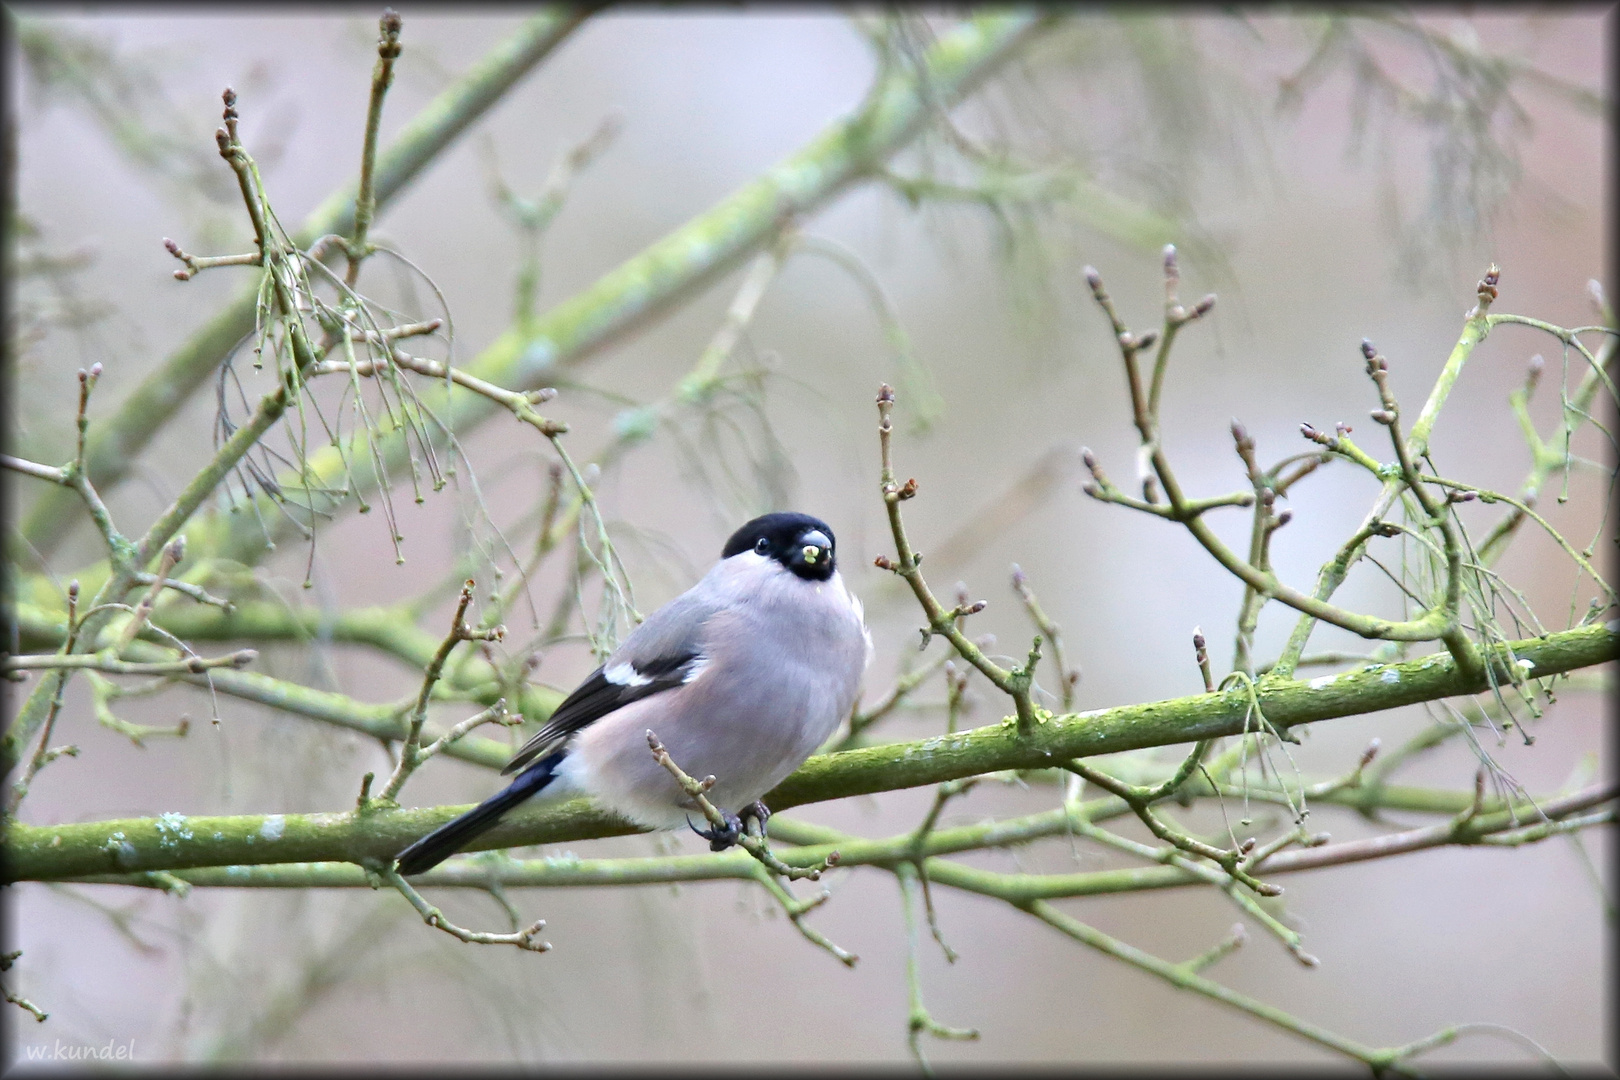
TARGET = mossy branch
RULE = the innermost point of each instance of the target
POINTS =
(389, 630)
(815, 843)
(677, 266)
(39, 852)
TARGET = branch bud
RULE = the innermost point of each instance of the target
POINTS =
(1383, 416)
(1318, 437)
(1533, 375)
(1204, 306)
(388, 47)
(1371, 752)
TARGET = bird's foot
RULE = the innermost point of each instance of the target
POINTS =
(721, 838)
(758, 811)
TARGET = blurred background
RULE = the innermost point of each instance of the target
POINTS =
(1319, 219)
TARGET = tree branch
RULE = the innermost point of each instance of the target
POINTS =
(148, 409)
(57, 851)
(675, 267)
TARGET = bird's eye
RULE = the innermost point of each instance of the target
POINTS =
(762, 545)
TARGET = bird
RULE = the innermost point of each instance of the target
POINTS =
(741, 677)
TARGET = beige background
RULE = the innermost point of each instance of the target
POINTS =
(708, 973)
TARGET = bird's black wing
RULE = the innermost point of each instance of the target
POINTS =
(611, 686)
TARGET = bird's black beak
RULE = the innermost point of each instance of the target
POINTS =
(812, 555)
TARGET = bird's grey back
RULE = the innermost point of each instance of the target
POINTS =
(675, 628)
(785, 659)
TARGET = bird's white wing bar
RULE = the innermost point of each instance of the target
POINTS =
(609, 687)
(625, 674)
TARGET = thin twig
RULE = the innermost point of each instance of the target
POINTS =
(1230, 860)
(173, 552)
(796, 910)
(495, 714)
(55, 474)
(903, 686)
(528, 939)
(918, 1019)
(365, 203)
(410, 753)
(1067, 677)
(113, 666)
(1015, 683)
(1432, 625)
(756, 846)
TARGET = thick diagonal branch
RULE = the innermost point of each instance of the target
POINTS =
(146, 412)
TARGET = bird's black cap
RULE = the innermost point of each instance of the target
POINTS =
(782, 536)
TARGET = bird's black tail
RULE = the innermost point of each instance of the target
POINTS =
(452, 836)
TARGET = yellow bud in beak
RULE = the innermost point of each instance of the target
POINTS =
(811, 553)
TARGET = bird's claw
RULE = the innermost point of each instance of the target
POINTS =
(721, 838)
(758, 811)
